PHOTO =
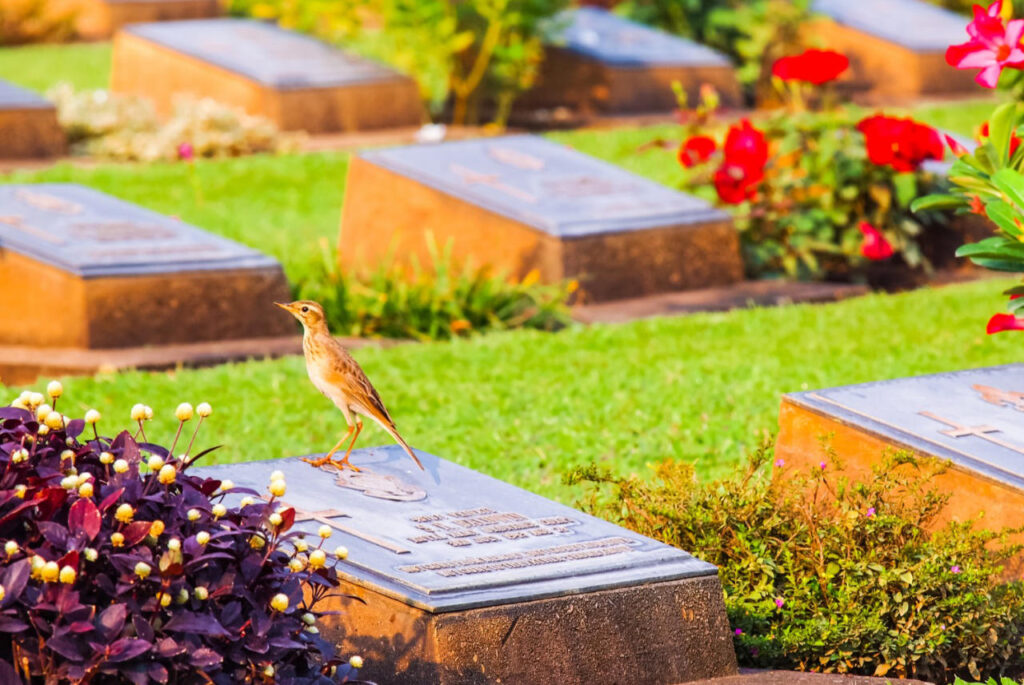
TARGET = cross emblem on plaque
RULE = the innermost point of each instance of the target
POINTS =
(326, 517)
(957, 430)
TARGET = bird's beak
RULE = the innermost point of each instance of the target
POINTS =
(286, 307)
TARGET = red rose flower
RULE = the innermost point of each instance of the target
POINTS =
(902, 144)
(1004, 322)
(695, 150)
(736, 183)
(746, 146)
(875, 247)
(811, 66)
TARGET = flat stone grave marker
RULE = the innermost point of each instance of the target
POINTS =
(896, 47)
(523, 203)
(971, 418)
(28, 125)
(467, 579)
(98, 19)
(296, 81)
(111, 274)
(597, 61)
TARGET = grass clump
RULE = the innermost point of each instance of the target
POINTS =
(437, 302)
(825, 572)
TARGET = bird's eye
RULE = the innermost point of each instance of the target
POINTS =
(305, 309)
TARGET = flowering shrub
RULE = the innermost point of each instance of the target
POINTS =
(437, 302)
(989, 181)
(123, 568)
(828, 574)
(121, 127)
(820, 194)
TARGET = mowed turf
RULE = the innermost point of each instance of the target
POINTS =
(525, 406)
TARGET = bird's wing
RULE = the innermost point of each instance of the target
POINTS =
(350, 378)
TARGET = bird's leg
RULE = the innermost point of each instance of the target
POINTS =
(344, 461)
(326, 459)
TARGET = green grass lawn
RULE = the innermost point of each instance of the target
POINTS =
(40, 67)
(526, 406)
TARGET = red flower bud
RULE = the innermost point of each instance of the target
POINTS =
(875, 247)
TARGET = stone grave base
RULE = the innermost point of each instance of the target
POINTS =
(880, 70)
(585, 85)
(141, 67)
(31, 132)
(129, 311)
(629, 263)
(99, 19)
(798, 443)
(662, 633)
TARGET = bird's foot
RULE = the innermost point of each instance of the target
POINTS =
(342, 464)
(317, 463)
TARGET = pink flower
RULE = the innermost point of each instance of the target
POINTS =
(822, 465)
(874, 246)
(1000, 323)
(779, 463)
(738, 632)
(186, 152)
(954, 569)
(779, 602)
(992, 47)
(871, 512)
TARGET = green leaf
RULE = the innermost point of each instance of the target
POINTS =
(1000, 126)
(1000, 265)
(936, 201)
(1012, 184)
(1004, 216)
(997, 247)
(906, 188)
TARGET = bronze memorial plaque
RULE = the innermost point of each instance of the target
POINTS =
(28, 125)
(450, 561)
(119, 275)
(521, 203)
(974, 419)
(296, 81)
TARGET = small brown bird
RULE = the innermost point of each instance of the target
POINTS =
(337, 375)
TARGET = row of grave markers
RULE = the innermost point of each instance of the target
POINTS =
(597, 63)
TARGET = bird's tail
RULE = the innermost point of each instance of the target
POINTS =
(393, 432)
